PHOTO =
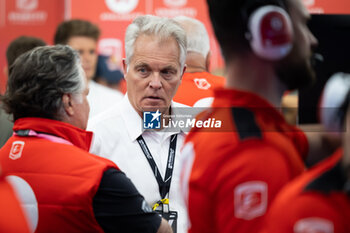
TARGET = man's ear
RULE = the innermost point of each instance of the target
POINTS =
(184, 70)
(67, 104)
(125, 68)
(207, 61)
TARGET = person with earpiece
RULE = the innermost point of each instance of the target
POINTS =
(318, 200)
(231, 176)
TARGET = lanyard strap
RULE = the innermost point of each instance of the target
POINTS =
(164, 185)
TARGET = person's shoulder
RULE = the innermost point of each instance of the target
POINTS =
(254, 156)
(310, 207)
(309, 181)
(78, 155)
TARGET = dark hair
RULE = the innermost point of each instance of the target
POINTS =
(75, 27)
(21, 45)
(229, 19)
(38, 80)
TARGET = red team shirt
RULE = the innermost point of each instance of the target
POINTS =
(316, 202)
(237, 173)
(196, 86)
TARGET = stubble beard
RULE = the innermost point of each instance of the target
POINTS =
(297, 74)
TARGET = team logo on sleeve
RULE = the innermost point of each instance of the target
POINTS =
(250, 200)
(16, 150)
(313, 225)
(151, 120)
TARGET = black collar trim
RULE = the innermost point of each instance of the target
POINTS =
(332, 180)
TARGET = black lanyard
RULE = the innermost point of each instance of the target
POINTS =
(164, 185)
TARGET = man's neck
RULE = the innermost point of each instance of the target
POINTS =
(257, 76)
(195, 62)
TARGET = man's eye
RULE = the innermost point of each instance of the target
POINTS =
(168, 73)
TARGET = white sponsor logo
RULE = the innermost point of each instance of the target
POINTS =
(250, 200)
(313, 225)
(202, 83)
(313, 9)
(26, 13)
(309, 3)
(175, 3)
(27, 5)
(121, 6)
(16, 150)
(26, 197)
(172, 12)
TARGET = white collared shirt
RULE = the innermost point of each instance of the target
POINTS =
(115, 134)
(101, 98)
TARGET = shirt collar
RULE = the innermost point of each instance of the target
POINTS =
(131, 118)
(334, 179)
(76, 136)
(239, 98)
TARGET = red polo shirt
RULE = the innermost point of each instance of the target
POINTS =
(196, 86)
(238, 170)
(318, 201)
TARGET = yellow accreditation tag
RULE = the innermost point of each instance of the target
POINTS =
(163, 201)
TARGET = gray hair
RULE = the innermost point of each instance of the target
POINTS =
(196, 35)
(38, 80)
(161, 27)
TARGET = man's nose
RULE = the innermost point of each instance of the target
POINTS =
(155, 81)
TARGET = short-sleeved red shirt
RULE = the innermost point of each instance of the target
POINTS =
(197, 86)
(238, 170)
(317, 201)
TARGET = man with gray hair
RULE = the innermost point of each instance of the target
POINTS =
(65, 188)
(197, 84)
(155, 50)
